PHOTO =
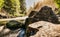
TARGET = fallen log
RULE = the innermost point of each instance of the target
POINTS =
(17, 18)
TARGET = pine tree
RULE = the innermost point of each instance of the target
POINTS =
(23, 6)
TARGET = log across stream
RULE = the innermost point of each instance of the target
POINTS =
(17, 18)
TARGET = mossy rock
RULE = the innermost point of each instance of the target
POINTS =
(13, 24)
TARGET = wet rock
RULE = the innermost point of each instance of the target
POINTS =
(13, 24)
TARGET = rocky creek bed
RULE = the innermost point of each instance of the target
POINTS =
(47, 30)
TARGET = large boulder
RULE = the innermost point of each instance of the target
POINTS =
(47, 30)
(45, 14)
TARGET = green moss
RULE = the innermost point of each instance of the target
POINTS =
(13, 24)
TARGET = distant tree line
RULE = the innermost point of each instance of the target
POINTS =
(14, 7)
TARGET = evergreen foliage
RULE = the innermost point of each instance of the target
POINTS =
(23, 6)
(1, 3)
(57, 3)
(12, 7)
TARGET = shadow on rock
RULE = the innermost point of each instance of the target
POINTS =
(45, 14)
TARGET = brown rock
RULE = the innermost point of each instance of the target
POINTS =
(47, 30)
(45, 14)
